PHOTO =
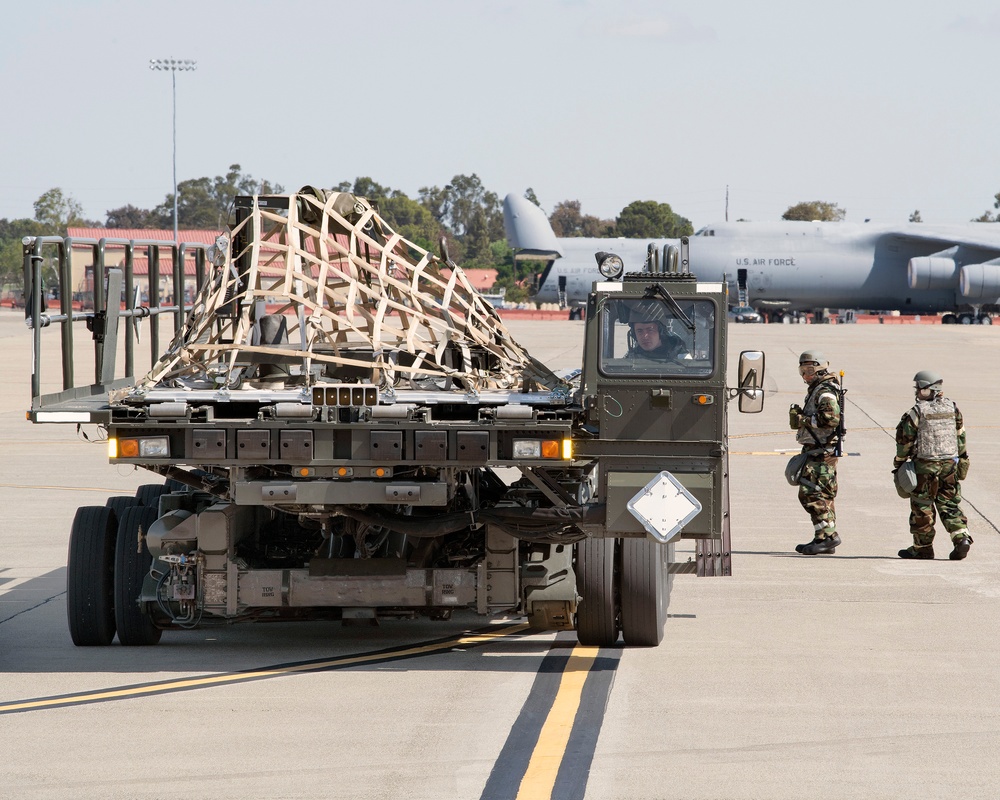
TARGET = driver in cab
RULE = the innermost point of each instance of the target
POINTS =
(649, 336)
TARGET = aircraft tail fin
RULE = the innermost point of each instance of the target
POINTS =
(528, 230)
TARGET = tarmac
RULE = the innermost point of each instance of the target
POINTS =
(854, 675)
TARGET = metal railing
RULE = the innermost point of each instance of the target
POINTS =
(74, 403)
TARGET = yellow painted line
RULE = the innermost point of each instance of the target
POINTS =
(540, 778)
(163, 687)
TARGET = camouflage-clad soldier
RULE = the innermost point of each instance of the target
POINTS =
(932, 434)
(816, 423)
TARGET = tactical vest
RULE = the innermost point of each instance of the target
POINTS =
(817, 436)
(937, 439)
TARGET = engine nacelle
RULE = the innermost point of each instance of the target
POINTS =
(932, 272)
(980, 282)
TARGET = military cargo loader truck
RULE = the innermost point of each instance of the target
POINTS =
(342, 428)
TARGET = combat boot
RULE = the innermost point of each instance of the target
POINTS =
(962, 545)
(917, 552)
(829, 541)
(827, 546)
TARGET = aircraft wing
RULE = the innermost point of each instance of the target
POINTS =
(989, 244)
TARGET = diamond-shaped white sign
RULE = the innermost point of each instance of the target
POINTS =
(664, 506)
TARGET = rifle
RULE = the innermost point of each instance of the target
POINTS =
(841, 428)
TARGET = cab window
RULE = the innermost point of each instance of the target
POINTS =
(647, 337)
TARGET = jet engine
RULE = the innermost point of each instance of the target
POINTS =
(980, 282)
(932, 272)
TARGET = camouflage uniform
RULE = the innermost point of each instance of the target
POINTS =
(938, 485)
(816, 425)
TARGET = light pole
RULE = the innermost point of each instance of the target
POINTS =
(173, 66)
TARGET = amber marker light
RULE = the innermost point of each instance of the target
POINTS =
(551, 448)
(568, 449)
(342, 472)
(128, 448)
(380, 472)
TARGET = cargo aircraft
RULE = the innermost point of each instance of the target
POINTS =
(783, 267)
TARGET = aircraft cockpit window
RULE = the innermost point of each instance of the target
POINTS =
(647, 337)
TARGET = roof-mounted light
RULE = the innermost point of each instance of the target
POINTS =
(609, 265)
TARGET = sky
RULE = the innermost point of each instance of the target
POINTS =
(883, 107)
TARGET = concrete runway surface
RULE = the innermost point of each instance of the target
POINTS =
(857, 675)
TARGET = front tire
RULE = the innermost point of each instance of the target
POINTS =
(90, 581)
(597, 613)
(132, 563)
(643, 590)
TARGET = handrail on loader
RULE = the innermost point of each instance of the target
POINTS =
(89, 403)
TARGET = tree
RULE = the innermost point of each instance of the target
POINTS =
(206, 202)
(470, 212)
(915, 216)
(647, 219)
(567, 221)
(57, 211)
(986, 216)
(130, 216)
(815, 210)
(11, 253)
(529, 194)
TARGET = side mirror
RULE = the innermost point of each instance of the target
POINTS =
(751, 382)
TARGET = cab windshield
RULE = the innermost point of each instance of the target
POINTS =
(646, 336)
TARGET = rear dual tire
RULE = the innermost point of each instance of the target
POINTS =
(132, 563)
(623, 586)
(90, 577)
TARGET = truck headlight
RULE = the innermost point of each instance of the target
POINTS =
(145, 447)
(538, 448)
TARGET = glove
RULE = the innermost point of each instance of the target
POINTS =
(962, 470)
(795, 417)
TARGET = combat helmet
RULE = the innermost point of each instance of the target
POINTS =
(647, 311)
(812, 363)
(815, 356)
(926, 379)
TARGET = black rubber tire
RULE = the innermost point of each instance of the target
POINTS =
(149, 494)
(118, 503)
(90, 581)
(174, 486)
(597, 613)
(643, 590)
(132, 562)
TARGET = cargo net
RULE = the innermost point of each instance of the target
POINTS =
(325, 291)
